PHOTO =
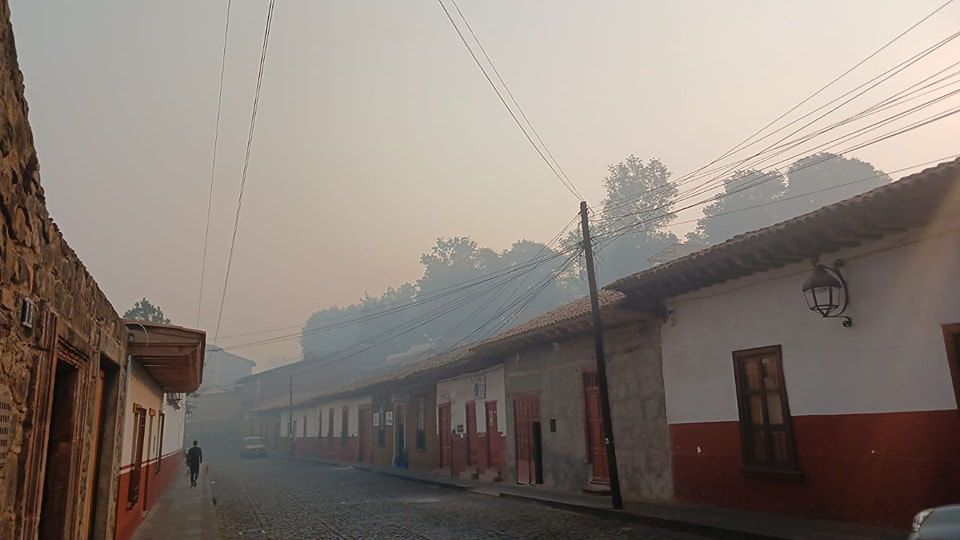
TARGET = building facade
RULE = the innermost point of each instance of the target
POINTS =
(553, 421)
(772, 407)
(471, 435)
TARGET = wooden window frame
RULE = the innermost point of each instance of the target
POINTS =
(950, 336)
(139, 434)
(162, 422)
(791, 469)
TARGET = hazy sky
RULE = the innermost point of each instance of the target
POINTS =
(377, 133)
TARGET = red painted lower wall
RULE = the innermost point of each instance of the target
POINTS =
(152, 485)
(878, 469)
(488, 458)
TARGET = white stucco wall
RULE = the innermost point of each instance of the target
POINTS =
(142, 391)
(458, 391)
(318, 416)
(893, 359)
(173, 423)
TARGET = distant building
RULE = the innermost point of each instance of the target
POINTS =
(224, 369)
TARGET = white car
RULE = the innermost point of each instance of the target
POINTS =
(252, 446)
(940, 523)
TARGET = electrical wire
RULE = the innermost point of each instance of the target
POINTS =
(213, 162)
(541, 152)
(246, 162)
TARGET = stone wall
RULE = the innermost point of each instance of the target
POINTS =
(37, 264)
(554, 372)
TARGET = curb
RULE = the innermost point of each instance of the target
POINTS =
(660, 522)
(666, 523)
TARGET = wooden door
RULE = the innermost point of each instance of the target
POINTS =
(93, 464)
(596, 450)
(472, 446)
(366, 425)
(446, 449)
(62, 445)
(526, 411)
(140, 425)
(493, 436)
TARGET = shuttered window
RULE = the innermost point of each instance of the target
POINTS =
(767, 436)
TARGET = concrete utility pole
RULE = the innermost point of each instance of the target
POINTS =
(601, 360)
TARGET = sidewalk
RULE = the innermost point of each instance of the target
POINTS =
(717, 522)
(183, 512)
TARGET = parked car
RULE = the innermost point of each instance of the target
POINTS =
(252, 446)
(940, 523)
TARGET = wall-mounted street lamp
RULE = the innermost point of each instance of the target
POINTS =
(826, 292)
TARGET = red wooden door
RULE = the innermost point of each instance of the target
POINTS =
(366, 425)
(446, 450)
(597, 451)
(493, 436)
(472, 443)
(526, 410)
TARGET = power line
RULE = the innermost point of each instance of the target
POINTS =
(561, 177)
(693, 175)
(504, 278)
(246, 162)
(419, 300)
(826, 86)
(213, 164)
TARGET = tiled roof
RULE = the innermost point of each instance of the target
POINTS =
(912, 201)
(577, 309)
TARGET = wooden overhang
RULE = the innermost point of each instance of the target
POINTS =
(913, 201)
(172, 355)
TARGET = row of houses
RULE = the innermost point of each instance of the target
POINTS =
(728, 388)
(91, 415)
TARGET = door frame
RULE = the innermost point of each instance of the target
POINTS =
(951, 334)
(445, 435)
(71, 357)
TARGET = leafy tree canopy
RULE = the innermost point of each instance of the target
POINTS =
(144, 310)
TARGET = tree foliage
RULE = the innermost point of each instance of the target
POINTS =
(754, 199)
(631, 226)
(144, 310)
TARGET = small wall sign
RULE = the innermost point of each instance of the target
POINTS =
(388, 418)
(479, 387)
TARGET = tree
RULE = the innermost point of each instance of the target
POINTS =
(636, 210)
(741, 206)
(832, 176)
(145, 311)
(755, 199)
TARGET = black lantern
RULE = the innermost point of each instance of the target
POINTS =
(826, 292)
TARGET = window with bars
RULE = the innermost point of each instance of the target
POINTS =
(767, 436)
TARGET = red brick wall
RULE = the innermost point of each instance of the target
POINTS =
(152, 485)
(878, 469)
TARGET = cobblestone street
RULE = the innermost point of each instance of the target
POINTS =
(274, 498)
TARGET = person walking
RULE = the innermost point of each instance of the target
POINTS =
(194, 459)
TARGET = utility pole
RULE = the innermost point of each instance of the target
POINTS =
(290, 432)
(601, 360)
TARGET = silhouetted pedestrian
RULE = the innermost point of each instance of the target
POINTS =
(194, 459)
